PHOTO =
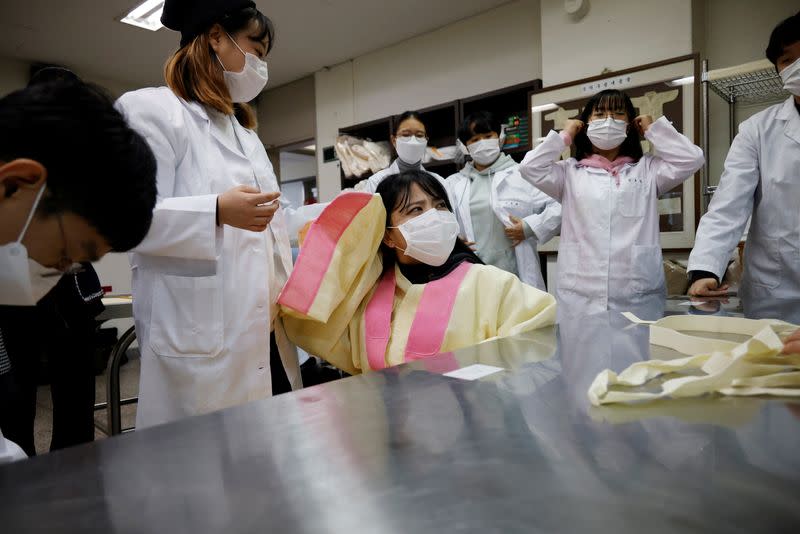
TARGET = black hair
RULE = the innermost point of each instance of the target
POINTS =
(97, 167)
(52, 74)
(404, 117)
(480, 122)
(785, 34)
(240, 20)
(395, 191)
(610, 99)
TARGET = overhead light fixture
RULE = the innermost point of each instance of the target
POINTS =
(681, 81)
(146, 15)
(544, 107)
(310, 148)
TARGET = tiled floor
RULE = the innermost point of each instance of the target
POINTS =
(129, 380)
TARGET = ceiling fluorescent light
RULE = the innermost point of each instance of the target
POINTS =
(311, 148)
(146, 15)
(681, 81)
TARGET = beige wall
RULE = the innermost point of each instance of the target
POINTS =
(335, 105)
(13, 75)
(287, 114)
(296, 166)
(473, 56)
(613, 35)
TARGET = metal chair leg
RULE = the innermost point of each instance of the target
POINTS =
(113, 386)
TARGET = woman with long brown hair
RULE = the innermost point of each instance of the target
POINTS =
(207, 276)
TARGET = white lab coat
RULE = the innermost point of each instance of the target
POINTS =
(609, 255)
(10, 451)
(370, 185)
(511, 195)
(204, 295)
(762, 178)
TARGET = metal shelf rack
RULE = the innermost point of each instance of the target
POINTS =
(756, 82)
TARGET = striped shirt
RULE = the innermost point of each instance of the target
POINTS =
(5, 363)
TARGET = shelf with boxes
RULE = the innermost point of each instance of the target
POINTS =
(510, 105)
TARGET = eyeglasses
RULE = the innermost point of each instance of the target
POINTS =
(72, 267)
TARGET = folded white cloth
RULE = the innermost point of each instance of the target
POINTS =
(755, 367)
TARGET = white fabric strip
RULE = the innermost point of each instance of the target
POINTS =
(755, 367)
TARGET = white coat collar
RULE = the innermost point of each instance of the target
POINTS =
(457, 177)
(592, 170)
(196, 108)
(595, 170)
(248, 143)
(788, 113)
(504, 174)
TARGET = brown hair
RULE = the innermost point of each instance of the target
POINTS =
(193, 74)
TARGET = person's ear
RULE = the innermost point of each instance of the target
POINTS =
(388, 241)
(393, 139)
(215, 37)
(21, 174)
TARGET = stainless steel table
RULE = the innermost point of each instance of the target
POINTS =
(409, 450)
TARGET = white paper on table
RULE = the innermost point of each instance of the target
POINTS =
(474, 372)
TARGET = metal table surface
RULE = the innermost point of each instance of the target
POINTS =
(408, 450)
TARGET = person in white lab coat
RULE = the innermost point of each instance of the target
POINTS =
(609, 256)
(761, 180)
(410, 141)
(502, 214)
(75, 183)
(207, 277)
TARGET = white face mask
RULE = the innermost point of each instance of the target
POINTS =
(430, 238)
(791, 78)
(244, 86)
(411, 149)
(23, 281)
(608, 133)
(485, 151)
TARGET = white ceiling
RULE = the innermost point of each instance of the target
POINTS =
(86, 36)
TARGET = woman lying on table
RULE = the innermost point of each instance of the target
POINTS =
(383, 279)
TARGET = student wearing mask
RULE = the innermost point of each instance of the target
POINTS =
(609, 256)
(55, 213)
(67, 315)
(207, 276)
(384, 279)
(760, 180)
(410, 141)
(502, 214)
